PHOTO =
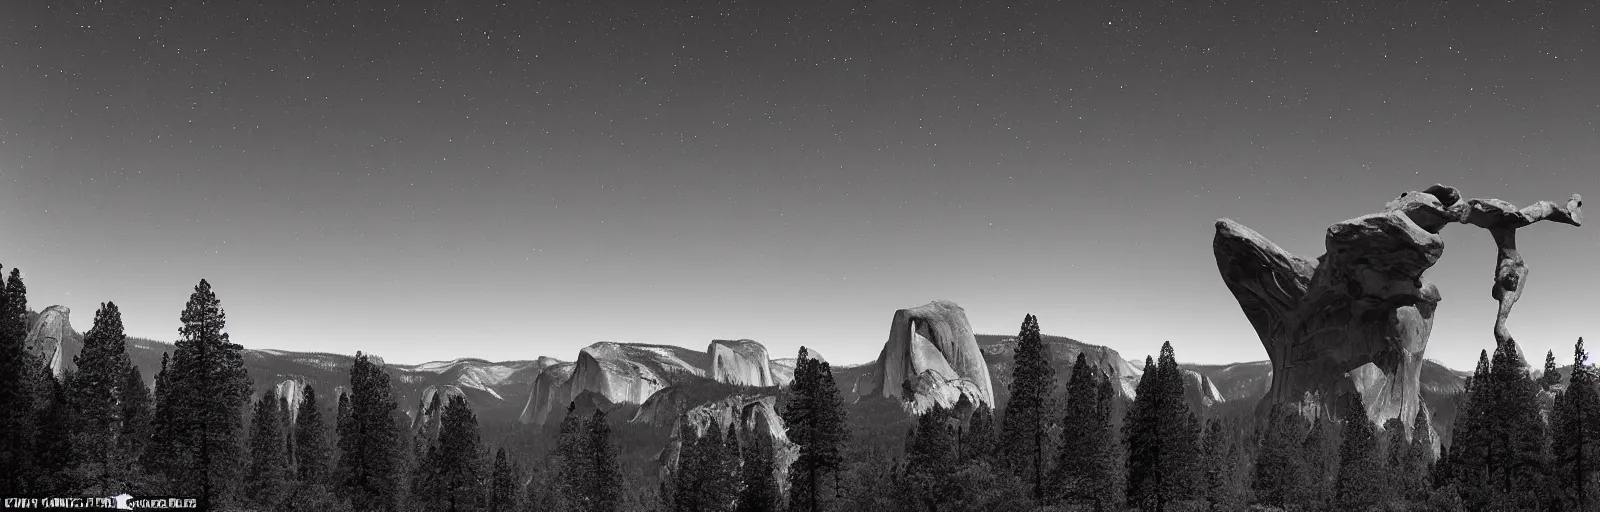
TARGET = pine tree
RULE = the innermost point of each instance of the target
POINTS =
(54, 455)
(267, 477)
(161, 448)
(310, 440)
(760, 490)
(1552, 375)
(1319, 466)
(1023, 427)
(369, 439)
(1084, 466)
(1218, 467)
(605, 491)
(1395, 447)
(979, 439)
(931, 459)
(1575, 439)
(16, 397)
(1470, 455)
(814, 418)
(135, 402)
(1516, 427)
(203, 405)
(453, 474)
(1162, 437)
(729, 476)
(1281, 466)
(575, 472)
(1419, 455)
(101, 372)
(503, 495)
(286, 418)
(1360, 482)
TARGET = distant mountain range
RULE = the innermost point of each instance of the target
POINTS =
(535, 390)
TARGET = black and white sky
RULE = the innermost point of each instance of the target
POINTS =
(506, 180)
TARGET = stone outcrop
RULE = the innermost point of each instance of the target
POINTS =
(741, 363)
(1357, 319)
(426, 419)
(755, 414)
(49, 337)
(293, 391)
(624, 373)
(931, 348)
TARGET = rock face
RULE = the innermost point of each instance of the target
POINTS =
(49, 336)
(755, 415)
(741, 363)
(292, 391)
(932, 348)
(425, 419)
(1358, 318)
(624, 373)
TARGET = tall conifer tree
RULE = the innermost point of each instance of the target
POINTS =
(203, 405)
(1360, 482)
(1575, 439)
(760, 490)
(101, 373)
(16, 395)
(369, 440)
(1025, 422)
(504, 482)
(310, 440)
(1162, 437)
(453, 475)
(930, 461)
(267, 477)
(1084, 467)
(814, 418)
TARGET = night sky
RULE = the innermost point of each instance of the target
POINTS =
(463, 179)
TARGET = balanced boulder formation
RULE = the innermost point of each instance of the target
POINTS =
(931, 354)
(1357, 319)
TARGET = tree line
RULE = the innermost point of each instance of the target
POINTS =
(1057, 444)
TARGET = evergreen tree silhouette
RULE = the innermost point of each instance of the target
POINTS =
(814, 418)
(96, 385)
(16, 393)
(369, 440)
(1575, 439)
(202, 405)
(1023, 426)
(267, 477)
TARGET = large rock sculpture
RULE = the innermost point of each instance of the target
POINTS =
(1357, 319)
(49, 337)
(932, 353)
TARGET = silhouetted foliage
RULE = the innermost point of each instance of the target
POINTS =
(369, 463)
(814, 418)
(1162, 437)
(16, 396)
(1025, 422)
(201, 405)
(267, 477)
